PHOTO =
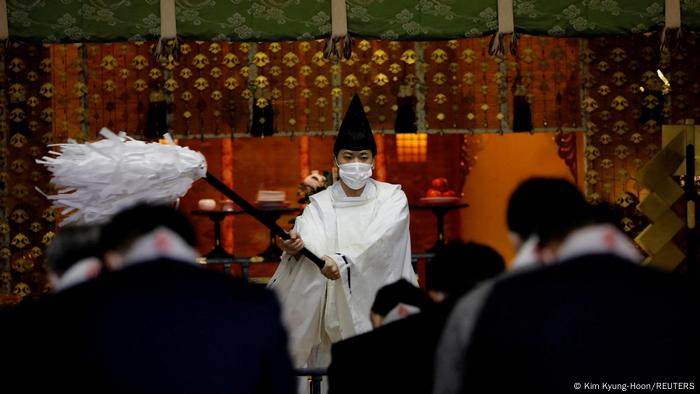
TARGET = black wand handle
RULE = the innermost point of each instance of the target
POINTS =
(258, 215)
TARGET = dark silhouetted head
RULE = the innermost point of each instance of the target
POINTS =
(132, 223)
(549, 208)
(400, 291)
(458, 267)
(72, 244)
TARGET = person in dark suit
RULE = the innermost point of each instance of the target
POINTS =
(160, 323)
(587, 318)
(398, 357)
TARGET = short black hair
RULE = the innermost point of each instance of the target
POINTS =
(132, 223)
(547, 207)
(71, 244)
(458, 267)
(400, 291)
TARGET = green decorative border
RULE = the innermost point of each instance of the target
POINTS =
(266, 20)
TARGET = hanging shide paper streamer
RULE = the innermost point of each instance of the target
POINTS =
(672, 23)
(506, 26)
(339, 31)
(168, 44)
(98, 179)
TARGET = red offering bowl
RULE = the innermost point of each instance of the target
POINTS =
(439, 200)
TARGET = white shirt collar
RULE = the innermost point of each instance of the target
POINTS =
(527, 254)
(81, 271)
(161, 243)
(340, 199)
(598, 239)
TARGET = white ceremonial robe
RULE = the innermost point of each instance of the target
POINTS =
(368, 237)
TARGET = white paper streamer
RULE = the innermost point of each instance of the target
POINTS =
(167, 19)
(98, 179)
(339, 18)
(672, 23)
(339, 31)
(168, 31)
(506, 26)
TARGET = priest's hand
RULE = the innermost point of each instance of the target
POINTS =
(293, 245)
(330, 269)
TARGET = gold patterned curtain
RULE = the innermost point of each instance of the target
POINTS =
(26, 122)
(626, 105)
(222, 89)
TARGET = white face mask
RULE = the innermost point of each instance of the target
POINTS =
(355, 175)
